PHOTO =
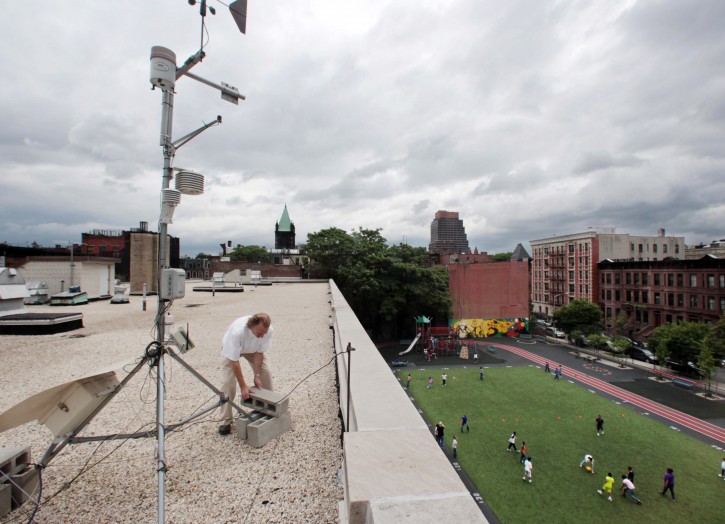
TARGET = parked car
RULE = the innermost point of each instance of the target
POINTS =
(642, 354)
(399, 362)
(553, 332)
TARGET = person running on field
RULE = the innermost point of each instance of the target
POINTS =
(512, 442)
(607, 487)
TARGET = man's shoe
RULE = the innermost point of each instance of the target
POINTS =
(225, 429)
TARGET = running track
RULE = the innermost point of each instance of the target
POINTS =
(695, 424)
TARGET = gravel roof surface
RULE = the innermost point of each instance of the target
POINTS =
(210, 478)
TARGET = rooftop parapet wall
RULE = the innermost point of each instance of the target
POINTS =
(393, 468)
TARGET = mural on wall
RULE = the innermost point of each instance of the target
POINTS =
(490, 327)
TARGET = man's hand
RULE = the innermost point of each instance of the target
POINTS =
(245, 393)
(258, 382)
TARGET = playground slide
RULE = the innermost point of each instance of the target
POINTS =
(412, 345)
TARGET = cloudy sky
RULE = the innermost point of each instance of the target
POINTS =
(528, 117)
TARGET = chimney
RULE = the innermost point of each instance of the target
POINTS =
(661, 232)
(144, 226)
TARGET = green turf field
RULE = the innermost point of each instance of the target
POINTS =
(556, 419)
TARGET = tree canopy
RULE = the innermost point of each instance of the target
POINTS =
(250, 254)
(579, 314)
(386, 286)
(679, 342)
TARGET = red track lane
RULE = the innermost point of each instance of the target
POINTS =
(678, 417)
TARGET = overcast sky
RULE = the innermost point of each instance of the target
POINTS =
(529, 118)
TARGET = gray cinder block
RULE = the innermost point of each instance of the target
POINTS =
(266, 401)
(266, 428)
(24, 485)
(5, 505)
(13, 460)
(242, 421)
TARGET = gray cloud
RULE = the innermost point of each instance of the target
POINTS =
(527, 117)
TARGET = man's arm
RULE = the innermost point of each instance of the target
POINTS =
(237, 369)
(257, 361)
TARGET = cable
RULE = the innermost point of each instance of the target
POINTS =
(319, 369)
(40, 492)
(259, 484)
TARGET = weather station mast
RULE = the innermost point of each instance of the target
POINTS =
(171, 282)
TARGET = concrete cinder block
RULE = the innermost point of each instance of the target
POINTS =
(266, 428)
(5, 505)
(242, 421)
(13, 460)
(24, 485)
(269, 402)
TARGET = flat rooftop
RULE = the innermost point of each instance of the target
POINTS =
(210, 478)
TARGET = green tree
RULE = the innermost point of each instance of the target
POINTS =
(579, 314)
(501, 257)
(598, 342)
(707, 363)
(252, 254)
(679, 342)
(386, 286)
(328, 250)
(715, 339)
(202, 255)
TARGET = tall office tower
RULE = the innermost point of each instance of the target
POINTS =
(447, 234)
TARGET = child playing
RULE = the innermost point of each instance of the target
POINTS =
(608, 485)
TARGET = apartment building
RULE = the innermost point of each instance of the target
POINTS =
(652, 293)
(564, 268)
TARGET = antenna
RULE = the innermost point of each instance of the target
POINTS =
(49, 407)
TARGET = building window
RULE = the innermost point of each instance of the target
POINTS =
(617, 279)
(628, 278)
(710, 280)
(645, 279)
(657, 298)
(636, 295)
(571, 275)
(571, 248)
(677, 248)
(645, 297)
(586, 261)
(609, 295)
(617, 295)
(693, 280)
(657, 279)
(722, 303)
(670, 280)
(721, 278)
(571, 261)
(631, 246)
(680, 280)
(629, 295)
(693, 301)
(711, 303)
(609, 312)
(654, 248)
(670, 299)
(609, 278)
(639, 248)
(680, 300)
(546, 250)
(636, 279)
(664, 248)
(571, 288)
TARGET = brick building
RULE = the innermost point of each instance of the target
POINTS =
(652, 293)
(565, 267)
(489, 298)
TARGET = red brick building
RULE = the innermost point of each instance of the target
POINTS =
(489, 298)
(652, 293)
